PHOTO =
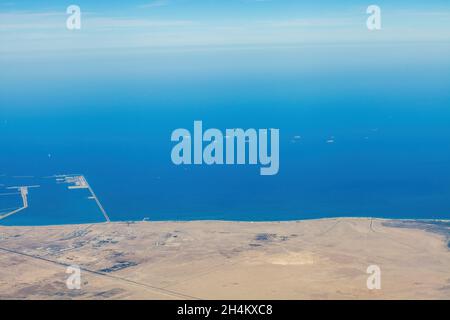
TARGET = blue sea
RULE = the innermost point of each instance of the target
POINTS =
(109, 116)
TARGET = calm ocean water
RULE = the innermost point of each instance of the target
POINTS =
(110, 118)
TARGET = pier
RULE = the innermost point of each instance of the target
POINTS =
(74, 181)
(23, 191)
(79, 182)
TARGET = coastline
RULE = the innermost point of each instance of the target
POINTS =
(234, 221)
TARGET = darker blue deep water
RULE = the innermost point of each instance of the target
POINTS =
(110, 118)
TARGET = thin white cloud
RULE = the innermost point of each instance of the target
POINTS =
(16, 21)
(311, 22)
(135, 23)
(46, 31)
(155, 4)
(23, 21)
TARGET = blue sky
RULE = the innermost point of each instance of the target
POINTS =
(36, 26)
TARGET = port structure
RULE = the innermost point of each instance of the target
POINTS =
(78, 181)
(23, 191)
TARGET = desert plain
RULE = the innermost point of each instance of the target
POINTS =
(308, 259)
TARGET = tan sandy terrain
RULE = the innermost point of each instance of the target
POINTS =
(313, 259)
